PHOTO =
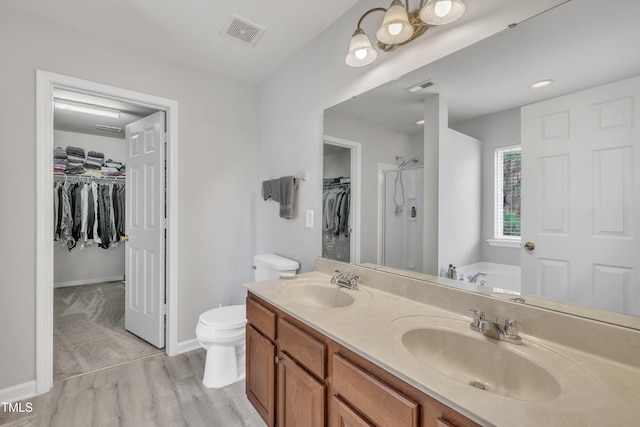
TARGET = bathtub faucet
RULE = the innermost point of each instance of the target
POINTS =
(474, 278)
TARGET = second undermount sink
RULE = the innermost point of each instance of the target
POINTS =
(319, 296)
(482, 363)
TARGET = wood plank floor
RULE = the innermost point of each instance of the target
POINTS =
(156, 391)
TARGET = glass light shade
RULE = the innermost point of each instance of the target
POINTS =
(360, 51)
(395, 26)
(435, 11)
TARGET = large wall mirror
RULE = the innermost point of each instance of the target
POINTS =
(525, 190)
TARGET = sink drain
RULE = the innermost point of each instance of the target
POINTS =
(477, 384)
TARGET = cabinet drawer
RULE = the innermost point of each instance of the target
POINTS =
(379, 402)
(344, 416)
(304, 348)
(262, 319)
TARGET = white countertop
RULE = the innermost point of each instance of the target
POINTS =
(593, 390)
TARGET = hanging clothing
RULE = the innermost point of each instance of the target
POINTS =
(88, 213)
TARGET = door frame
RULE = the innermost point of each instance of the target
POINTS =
(355, 149)
(46, 82)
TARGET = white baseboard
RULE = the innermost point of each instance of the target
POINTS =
(88, 281)
(18, 392)
(186, 346)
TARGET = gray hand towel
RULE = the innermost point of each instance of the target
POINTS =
(266, 189)
(276, 191)
(287, 196)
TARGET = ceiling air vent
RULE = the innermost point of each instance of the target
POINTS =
(241, 30)
(420, 86)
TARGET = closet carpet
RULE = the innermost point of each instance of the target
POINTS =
(88, 330)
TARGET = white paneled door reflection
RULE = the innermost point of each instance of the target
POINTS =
(580, 183)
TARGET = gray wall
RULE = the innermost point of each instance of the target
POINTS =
(217, 174)
(379, 145)
(223, 220)
(291, 109)
(494, 130)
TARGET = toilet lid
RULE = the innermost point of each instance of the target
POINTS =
(224, 318)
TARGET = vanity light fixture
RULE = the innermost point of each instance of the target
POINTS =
(85, 108)
(541, 83)
(399, 26)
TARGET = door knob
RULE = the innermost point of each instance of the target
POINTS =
(529, 246)
(124, 238)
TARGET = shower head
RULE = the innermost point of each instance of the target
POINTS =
(405, 163)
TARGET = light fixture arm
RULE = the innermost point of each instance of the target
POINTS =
(368, 12)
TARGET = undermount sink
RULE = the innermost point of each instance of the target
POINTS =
(319, 296)
(482, 363)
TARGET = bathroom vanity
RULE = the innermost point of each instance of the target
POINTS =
(397, 352)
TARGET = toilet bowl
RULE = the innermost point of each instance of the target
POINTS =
(221, 331)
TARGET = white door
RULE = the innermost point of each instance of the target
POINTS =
(580, 183)
(145, 250)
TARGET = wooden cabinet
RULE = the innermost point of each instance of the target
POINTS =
(260, 382)
(301, 397)
(374, 399)
(322, 383)
(344, 416)
(298, 395)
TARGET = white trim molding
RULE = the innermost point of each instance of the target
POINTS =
(504, 243)
(46, 82)
(187, 346)
(18, 392)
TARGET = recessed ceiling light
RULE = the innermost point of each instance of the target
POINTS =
(541, 83)
(420, 122)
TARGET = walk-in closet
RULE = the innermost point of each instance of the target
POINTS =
(89, 212)
(336, 204)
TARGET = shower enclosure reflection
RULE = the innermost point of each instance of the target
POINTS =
(401, 195)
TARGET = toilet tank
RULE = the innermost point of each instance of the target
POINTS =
(271, 266)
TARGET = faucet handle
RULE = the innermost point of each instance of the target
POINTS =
(335, 278)
(511, 327)
(477, 315)
(477, 318)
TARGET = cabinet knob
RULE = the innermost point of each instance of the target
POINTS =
(276, 360)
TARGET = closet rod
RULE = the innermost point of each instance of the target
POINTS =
(62, 176)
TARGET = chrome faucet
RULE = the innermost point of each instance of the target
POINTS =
(473, 278)
(345, 280)
(492, 329)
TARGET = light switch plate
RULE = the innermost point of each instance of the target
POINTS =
(309, 218)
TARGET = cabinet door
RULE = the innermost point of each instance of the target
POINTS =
(261, 375)
(301, 398)
(343, 416)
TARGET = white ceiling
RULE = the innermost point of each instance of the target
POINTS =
(579, 44)
(189, 31)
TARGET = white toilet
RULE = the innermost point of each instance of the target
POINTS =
(221, 331)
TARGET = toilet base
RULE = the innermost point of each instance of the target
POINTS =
(224, 365)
